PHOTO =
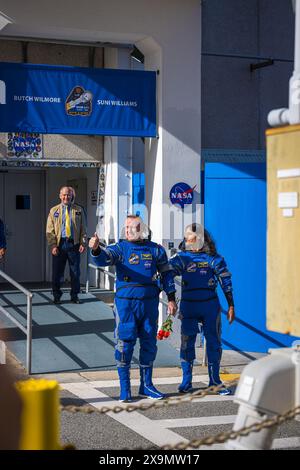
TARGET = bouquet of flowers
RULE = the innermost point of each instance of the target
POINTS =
(165, 329)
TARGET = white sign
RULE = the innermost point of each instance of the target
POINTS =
(287, 212)
(290, 173)
(287, 200)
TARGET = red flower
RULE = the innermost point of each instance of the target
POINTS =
(165, 329)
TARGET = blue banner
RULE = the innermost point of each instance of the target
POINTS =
(49, 99)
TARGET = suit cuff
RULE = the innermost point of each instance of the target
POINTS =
(171, 296)
(229, 298)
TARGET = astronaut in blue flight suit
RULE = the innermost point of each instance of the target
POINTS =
(139, 263)
(201, 268)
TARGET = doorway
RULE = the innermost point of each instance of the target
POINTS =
(22, 209)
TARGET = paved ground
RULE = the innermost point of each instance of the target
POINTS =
(139, 429)
(156, 427)
(68, 337)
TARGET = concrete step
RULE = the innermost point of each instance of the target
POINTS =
(107, 296)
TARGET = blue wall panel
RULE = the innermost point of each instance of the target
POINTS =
(235, 214)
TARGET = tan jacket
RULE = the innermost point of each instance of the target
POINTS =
(54, 225)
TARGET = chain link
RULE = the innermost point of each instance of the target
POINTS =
(231, 435)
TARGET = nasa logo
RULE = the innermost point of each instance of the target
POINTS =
(182, 194)
(148, 264)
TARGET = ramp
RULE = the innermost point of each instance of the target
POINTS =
(69, 337)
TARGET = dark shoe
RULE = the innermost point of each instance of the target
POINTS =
(185, 388)
(75, 300)
(150, 391)
(147, 388)
(225, 391)
(56, 301)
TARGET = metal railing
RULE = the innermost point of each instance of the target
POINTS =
(97, 269)
(28, 329)
(113, 276)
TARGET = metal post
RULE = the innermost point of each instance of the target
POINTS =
(291, 115)
(2, 352)
(97, 278)
(296, 361)
(28, 330)
(29, 334)
(87, 282)
(87, 279)
(204, 358)
(297, 37)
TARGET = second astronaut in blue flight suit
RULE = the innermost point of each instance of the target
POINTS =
(201, 268)
(138, 263)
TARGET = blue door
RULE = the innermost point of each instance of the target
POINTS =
(235, 215)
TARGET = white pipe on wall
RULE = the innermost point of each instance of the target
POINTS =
(283, 116)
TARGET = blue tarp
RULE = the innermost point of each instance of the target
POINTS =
(75, 100)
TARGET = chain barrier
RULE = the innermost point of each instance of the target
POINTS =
(231, 435)
(170, 401)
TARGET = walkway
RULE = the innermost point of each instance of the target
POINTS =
(69, 337)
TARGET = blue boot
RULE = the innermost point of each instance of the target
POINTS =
(147, 388)
(187, 375)
(214, 378)
(214, 373)
(124, 376)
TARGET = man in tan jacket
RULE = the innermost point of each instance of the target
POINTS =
(66, 236)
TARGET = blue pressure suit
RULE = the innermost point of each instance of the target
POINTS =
(142, 269)
(200, 273)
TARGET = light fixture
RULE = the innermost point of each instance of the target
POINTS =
(137, 55)
(4, 20)
(259, 65)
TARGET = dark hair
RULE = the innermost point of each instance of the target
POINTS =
(133, 216)
(209, 246)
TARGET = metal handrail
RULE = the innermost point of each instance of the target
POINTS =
(28, 329)
(97, 268)
(101, 268)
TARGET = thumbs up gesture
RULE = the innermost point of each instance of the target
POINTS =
(94, 242)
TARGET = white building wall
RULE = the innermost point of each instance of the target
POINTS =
(57, 147)
(168, 32)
